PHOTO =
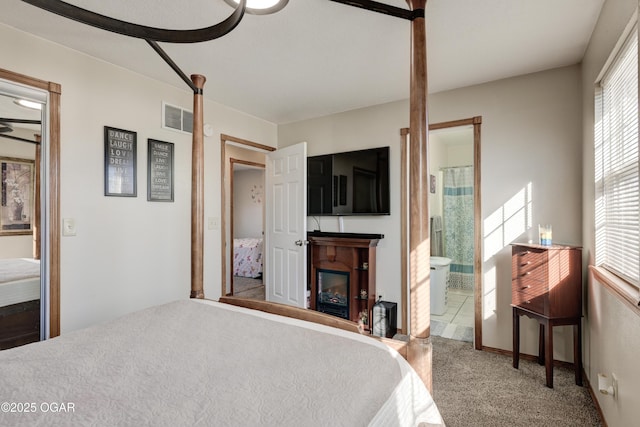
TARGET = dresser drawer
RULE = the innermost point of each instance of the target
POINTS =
(535, 303)
(530, 285)
(529, 262)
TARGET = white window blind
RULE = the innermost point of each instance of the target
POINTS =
(616, 165)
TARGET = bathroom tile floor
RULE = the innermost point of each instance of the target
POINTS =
(457, 321)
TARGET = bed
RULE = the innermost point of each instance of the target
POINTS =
(19, 301)
(201, 362)
(247, 257)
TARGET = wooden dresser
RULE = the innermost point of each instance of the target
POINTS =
(546, 285)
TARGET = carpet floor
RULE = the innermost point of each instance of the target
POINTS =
(247, 287)
(478, 388)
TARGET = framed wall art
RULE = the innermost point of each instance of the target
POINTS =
(17, 196)
(120, 148)
(159, 171)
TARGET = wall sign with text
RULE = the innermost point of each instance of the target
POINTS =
(160, 171)
(120, 148)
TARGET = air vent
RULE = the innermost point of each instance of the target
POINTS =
(176, 118)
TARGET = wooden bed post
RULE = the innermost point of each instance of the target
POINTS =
(197, 192)
(420, 349)
(36, 198)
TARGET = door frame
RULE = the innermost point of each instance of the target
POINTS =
(232, 163)
(248, 145)
(52, 197)
(476, 122)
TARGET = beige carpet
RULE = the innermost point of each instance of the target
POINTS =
(246, 287)
(478, 388)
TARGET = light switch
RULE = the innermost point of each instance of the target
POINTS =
(68, 227)
(214, 223)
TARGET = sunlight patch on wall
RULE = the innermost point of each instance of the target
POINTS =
(490, 296)
(508, 222)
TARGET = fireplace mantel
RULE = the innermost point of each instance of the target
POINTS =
(338, 235)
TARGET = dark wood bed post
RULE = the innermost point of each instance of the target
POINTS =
(36, 198)
(420, 349)
(197, 192)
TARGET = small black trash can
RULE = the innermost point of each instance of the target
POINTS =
(384, 318)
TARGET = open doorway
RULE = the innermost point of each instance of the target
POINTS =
(20, 269)
(29, 227)
(243, 216)
(471, 129)
(247, 228)
(451, 213)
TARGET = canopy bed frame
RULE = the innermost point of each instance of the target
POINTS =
(418, 350)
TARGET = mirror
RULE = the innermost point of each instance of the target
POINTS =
(21, 285)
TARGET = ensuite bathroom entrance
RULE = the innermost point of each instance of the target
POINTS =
(452, 249)
(454, 210)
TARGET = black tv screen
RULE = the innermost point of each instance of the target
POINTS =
(349, 183)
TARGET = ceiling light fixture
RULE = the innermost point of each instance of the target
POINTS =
(5, 127)
(28, 104)
(260, 7)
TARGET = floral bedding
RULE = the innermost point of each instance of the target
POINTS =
(247, 257)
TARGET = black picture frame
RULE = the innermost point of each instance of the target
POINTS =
(17, 204)
(160, 176)
(120, 162)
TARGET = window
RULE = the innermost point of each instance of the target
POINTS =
(616, 164)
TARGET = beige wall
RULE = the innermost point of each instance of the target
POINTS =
(612, 329)
(530, 174)
(247, 210)
(530, 141)
(128, 253)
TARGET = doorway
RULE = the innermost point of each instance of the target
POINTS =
(242, 164)
(451, 213)
(30, 182)
(471, 128)
(246, 227)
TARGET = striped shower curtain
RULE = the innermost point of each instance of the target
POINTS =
(458, 225)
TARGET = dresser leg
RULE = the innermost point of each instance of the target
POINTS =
(577, 351)
(541, 345)
(516, 338)
(548, 359)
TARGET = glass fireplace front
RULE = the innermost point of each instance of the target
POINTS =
(333, 292)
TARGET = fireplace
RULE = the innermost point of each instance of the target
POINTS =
(333, 292)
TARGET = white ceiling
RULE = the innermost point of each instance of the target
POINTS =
(318, 57)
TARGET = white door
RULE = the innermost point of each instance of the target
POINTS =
(286, 226)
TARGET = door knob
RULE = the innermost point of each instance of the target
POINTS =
(302, 242)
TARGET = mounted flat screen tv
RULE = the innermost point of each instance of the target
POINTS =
(349, 183)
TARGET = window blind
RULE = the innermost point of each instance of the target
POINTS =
(617, 167)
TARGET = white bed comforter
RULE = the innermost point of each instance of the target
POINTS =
(19, 280)
(209, 364)
(12, 269)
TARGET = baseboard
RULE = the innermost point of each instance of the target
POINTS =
(523, 356)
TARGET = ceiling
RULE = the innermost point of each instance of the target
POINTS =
(318, 57)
